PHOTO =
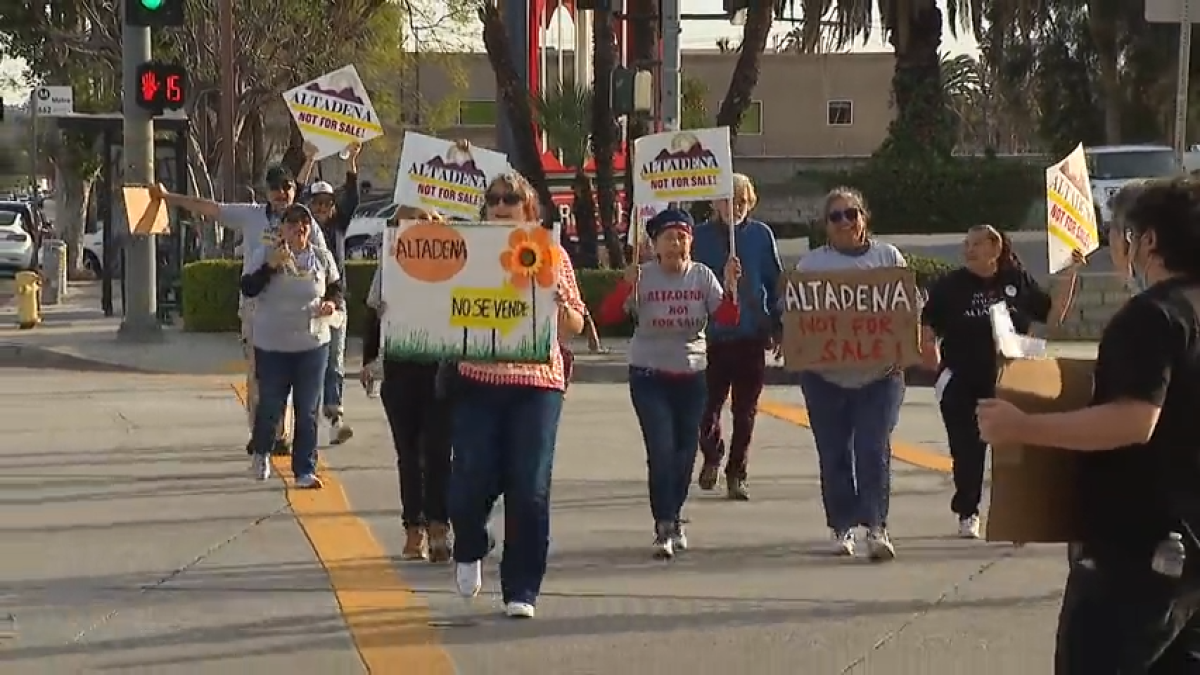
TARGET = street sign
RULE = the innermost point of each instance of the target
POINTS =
(54, 101)
(1184, 13)
(1171, 11)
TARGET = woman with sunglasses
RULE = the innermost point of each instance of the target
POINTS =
(296, 290)
(505, 427)
(419, 412)
(672, 298)
(852, 411)
(956, 340)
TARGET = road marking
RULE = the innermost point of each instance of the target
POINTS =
(909, 453)
(389, 622)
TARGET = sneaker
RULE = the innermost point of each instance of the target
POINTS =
(438, 542)
(260, 467)
(879, 545)
(843, 542)
(735, 489)
(309, 481)
(414, 543)
(282, 448)
(679, 541)
(339, 431)
(519, 610)
(250, 447)
(664, 545)
(468, 578)
(968, 528)
(708, 476)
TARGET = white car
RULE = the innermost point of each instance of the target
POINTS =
(1110, 167)
(17, 249)
(364, 234)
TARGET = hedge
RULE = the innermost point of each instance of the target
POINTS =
(210, 292)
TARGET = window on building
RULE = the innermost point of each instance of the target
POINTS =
(840, 113)
(752, 121)
(477, 113)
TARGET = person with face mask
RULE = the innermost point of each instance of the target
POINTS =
(1130, 600)
(737, 354)
(673, 299)
(957, 342)
(333, 217)
(258, 225)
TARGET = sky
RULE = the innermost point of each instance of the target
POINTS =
(696, 35)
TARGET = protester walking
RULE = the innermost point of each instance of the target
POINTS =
(505, 426)
(672, 298)
(258, 225)
(852, 411)
(956, 336)
(1130, 599)
(333, 214)
(417, 401)
(297, 291)
(737, 354)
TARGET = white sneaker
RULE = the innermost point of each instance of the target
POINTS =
(968, 528)
(260, 467)
(519, 610)
(879, 545)
(664, 548)
(468, 578)
(309, 481)
(843, 543)
(679, 540)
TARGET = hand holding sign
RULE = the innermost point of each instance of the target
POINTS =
(733, 273)
(633, 273)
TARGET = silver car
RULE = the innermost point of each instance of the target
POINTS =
(17, 248)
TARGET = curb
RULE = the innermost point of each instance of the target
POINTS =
(14, 355)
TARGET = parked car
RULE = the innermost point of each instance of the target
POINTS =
(18, 250)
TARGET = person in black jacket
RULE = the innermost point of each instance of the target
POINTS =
(417, 401)
(333, 215)
(956, 316)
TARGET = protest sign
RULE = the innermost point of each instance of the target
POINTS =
(468, 291)
(866, 318)
(1070, 211)
(683, 166)
(143, 213)
(334, 111)
(445, 176)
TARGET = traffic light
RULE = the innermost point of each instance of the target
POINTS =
(161, 86)
(154, 13)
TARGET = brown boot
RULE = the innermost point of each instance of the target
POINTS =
(439, 542)
(414, 543)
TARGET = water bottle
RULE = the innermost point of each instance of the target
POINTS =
(1169, 556)
(372, 388)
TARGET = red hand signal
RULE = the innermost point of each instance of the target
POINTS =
(149, 86)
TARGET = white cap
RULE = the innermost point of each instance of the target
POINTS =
(320, 188)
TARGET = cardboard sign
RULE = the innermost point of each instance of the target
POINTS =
(1070, 211)
(444, 176)
(1033, 488)
(683, 166)
(334, 111)
(469, 291)
(144, 214)
(866, 318)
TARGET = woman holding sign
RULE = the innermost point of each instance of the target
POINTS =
(672, 298)
(505, 427)
(852, 410)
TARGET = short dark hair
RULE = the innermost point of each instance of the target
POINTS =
(1170, 208)
(279, 176)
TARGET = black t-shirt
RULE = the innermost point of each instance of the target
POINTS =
(957, 312)
(1130, 498)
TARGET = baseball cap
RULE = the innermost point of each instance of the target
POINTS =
(320, 188)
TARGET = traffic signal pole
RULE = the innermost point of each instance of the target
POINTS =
(672, 84)
(140, 323)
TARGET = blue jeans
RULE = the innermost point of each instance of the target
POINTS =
(301, 374)
(335, 373)
(669, 409)
(504, 439)
(852, 428)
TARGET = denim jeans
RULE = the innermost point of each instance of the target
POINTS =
(852, 428)
(669, 408)
(504, 437)
(301, 375)
(335, 372)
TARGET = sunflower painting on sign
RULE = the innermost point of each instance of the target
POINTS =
(467, 291)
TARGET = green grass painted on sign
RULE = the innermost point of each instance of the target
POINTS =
(471, 345)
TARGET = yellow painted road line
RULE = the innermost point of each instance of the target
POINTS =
(909, 453)
(388, 621)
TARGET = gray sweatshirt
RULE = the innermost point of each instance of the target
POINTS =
(672, 311)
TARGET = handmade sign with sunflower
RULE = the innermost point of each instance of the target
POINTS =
(470, 291)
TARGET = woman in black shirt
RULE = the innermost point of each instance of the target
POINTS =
(955, 319)
(1132, 601)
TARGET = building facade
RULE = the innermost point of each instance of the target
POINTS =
(831, 105)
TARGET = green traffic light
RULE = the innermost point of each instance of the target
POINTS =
(152, 4)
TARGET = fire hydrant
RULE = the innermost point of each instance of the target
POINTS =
(29, 286)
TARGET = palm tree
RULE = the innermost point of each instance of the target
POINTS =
(755, 34)
(605, 132)
(642, 40)
(563, 113)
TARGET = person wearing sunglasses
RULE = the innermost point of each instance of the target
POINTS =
(673, 299)
(852, 411)
(333, 216)
(506, 419)
(957, 342)
(297, 288)
(736, 358)
(258, 225)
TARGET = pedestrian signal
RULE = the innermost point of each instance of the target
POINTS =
(161, 86)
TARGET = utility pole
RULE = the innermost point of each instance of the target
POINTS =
(227, 110)
(1177, 11)
(672, 27)
(140, 323)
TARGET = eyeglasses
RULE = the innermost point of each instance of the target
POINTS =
(282, 186)
(845, 215)
(507, 198)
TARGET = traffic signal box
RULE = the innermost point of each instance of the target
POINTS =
(154, 13)
(161, 86)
